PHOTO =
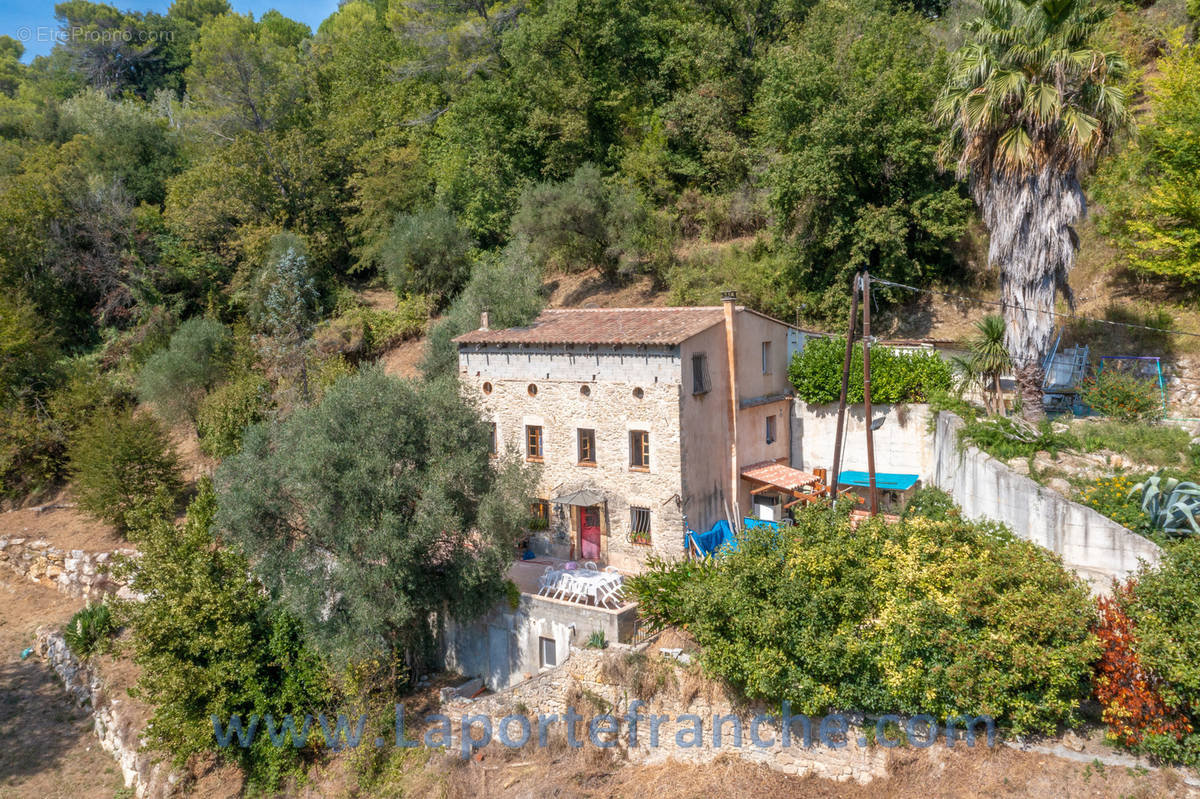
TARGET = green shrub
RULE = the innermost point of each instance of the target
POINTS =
(896, 377)
(1165, 609)
(227, 411)
(32, 451)
(28, 348)
(1159, 445)
(119, 462)
(90, 630)
(930, 502)
(1122, 396)
(922, 616)
(175, 379)
(209, 642)
(1011, 437)
(582, 222)
(428, 253)
(34, 436)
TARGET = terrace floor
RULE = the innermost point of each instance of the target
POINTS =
(526, 573)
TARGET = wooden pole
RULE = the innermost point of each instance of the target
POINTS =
(873, 491)
(841, 420)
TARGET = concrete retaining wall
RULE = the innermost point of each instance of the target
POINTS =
(1096, 547)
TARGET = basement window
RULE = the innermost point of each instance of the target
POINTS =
(546, 652)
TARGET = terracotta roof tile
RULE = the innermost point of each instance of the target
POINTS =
(780, 475)
(657, 326)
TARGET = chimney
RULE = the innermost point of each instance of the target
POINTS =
(485, 319)
(729, 296)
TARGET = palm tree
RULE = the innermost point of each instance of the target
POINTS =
(989, 355)
(1031, 101)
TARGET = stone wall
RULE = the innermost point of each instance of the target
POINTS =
(74, 572)
(1093, 545)
(1183, 388)
(594, 682)
(115, 725)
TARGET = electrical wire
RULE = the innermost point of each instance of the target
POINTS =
(1000, 304)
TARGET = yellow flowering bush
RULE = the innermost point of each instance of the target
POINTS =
(1110, 497)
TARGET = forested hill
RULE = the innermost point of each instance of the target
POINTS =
(150, 161)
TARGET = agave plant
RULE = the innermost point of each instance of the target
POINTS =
(1171, 504)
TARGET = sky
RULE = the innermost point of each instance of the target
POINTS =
(32, 21)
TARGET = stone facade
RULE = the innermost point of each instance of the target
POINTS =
(74, 572)
(704, 427)
(115, 724)
(610, 409)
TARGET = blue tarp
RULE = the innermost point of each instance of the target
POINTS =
(716, 539)
(750, 523)
(889, 480)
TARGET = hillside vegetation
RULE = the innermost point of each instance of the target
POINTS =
(200, 211)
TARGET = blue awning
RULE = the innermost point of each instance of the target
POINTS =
(891, 481)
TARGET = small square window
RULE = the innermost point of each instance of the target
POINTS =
(639, 449)
(587, 446)
(700, 382)
(547, 653)
(533, 442)
(766, 357)
(639, 525)
(771, 429)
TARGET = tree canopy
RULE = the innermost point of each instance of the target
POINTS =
(374, 509)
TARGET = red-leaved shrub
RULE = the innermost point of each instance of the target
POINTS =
(1133, 704)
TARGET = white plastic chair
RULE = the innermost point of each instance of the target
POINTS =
(590, 565)
(547, 580)
(612, 591)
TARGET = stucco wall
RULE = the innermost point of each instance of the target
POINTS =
(1094, 546)
(706, 445)
(502, 647)
(901, 442)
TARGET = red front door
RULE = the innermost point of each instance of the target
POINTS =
(589, 533)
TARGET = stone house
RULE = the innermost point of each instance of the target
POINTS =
(645, 422)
